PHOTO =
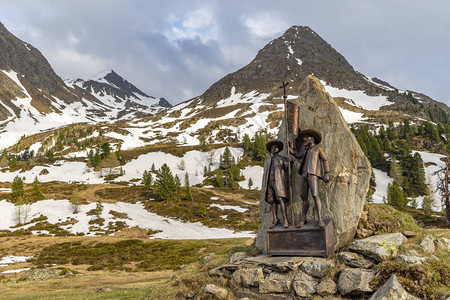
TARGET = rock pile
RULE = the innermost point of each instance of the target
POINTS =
(348, 274)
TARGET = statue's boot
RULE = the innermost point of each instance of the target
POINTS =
(283, 210)
(275, 223)
(274, 215)
(302, 221)
(321, 223)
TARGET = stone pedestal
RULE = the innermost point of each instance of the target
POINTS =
(310, 240)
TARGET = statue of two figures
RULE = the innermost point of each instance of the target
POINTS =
(313, 166)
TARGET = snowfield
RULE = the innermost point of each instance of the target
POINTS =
(194, 164)
(383, 180)
(58, 211)
(360, 98)
(255, 173)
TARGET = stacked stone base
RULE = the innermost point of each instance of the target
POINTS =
(345, 276)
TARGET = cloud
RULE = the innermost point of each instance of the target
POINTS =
(264, 25)
(177, 49)
(199, 23)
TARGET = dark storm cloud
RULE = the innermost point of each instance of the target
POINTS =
(177, 49)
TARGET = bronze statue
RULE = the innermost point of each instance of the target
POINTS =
(276, 181)
(310, 170)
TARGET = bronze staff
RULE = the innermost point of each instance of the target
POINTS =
(287, 146)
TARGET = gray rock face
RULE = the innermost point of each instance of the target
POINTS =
(237, 258)
(343, 197)
(428, 244)
(411, 260)
(304, 285)
(317, 267)
(40, 274)
(277, 263)
(355, 260)
(355, 282)
(326, 287)
(275, 284)
(379, 247)
(248, 277)
(392, 289)
(442, 244)
(219, 292)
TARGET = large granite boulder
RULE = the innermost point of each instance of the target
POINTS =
(379, 247)
(248, 277)
(392, 289)
(355, 282)
(343, 197)
(218, 292)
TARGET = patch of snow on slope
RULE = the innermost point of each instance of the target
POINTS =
(359, 97)
(232, 207)
(58, 211)
(11, 259)
(255, 173)
(384, 87)
(15, 271)
(299, 61)
(431, 178)
(382, 181)
(351, 116)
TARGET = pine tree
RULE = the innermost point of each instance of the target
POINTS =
(153, 167)
(98, 208)
(164, 182)
(13, 163)
(396, 196)
(17, 188)
(177, 183)
(219, 179)
(259, 148)
(106, 149)
(147, 179)
(247, 143)
(188, 192)
(36, 188)
(250, 183)
(396, 172)
(205, 171)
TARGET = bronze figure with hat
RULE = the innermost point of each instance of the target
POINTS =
(313, 158)
(276, 192)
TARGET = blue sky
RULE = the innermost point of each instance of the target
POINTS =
(177, 49)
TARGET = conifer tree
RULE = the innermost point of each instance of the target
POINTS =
(98, 208)
(250, 183)
(396, 196)
(36, 187)
(147, 179)
(247, 143)
(177, 183)
(153, 167)
(187, 187)
(164, 182)
(396, 172)
(259, 147)
(17, 188)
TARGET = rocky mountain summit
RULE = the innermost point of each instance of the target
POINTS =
(300, 52)
(34, 98)
(113, 90)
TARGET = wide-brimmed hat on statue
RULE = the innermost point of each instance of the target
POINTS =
(274, 142)
(309, 132)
